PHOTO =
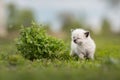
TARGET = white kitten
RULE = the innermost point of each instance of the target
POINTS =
(82, 44)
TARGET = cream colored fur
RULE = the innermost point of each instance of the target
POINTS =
(82, 44)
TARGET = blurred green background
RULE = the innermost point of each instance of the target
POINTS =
(106, 65)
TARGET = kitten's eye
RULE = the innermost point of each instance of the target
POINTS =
(73, 37)
(78, 38)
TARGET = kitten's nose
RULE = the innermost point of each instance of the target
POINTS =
(75, 40)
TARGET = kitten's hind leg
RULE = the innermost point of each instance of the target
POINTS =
(90, 56)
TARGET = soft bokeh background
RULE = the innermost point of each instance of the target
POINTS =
(100, 17)
(60, 14)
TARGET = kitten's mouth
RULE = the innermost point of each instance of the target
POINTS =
(80, 43)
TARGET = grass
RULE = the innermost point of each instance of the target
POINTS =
(106, 65)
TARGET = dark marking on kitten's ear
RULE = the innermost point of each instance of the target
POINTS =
(87, 34)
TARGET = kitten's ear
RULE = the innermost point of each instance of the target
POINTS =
(72, 30)
(87, 34)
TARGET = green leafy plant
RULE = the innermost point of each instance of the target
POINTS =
(34, 43)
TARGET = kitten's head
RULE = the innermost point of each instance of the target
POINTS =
(79, 36)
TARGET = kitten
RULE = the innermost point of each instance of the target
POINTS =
(82, 44)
